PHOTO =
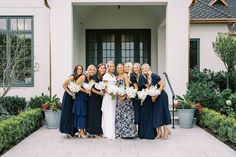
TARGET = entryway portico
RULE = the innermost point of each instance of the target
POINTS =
(168, 26)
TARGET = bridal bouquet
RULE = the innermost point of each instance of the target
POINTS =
(87, 86)
(100, 86)
(112, 89)
(142, 95)
(73, 87)
(131, 92)
(153, 91)
(121, 91)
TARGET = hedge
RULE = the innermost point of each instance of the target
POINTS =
(14, 129)
(223, 127)
(13, 104)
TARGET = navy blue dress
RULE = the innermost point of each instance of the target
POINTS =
(146, 129)
(161, 113)
(67, 117)
(94, 114)
(80, 109)
(136, 101)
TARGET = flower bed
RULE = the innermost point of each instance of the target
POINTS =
(14, 129)
(220, 125)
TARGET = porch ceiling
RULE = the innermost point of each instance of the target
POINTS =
(82, 12)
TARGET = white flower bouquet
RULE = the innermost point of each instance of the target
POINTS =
(121, 91)
(131, 92)
(73, 87)
(112, 89)
(100, 86)
(87, 86)
(142, 95)
(153, 91)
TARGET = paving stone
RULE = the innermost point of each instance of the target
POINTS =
(193, 142)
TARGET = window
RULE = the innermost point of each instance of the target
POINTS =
(118, 45)
(232, 29)
(16, 37)
(194, 54)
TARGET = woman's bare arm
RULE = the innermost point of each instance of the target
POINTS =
(71, 78)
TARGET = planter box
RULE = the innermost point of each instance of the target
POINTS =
(186, 117)
(52, 119)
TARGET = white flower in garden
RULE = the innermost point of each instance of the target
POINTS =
(228, 102)
(131, 92)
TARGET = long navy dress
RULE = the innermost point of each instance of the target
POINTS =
(67, 117)
(80, 109)
(146, 129)
(161, 113)
(94, 114)
(136, 101)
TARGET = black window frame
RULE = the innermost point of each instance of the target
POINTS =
(197, 40)
(146, 33)
(8, 32)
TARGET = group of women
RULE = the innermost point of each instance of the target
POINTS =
(95, 113)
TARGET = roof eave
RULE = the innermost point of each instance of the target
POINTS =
(213, 20)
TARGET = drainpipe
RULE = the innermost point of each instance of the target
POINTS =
(50, 52)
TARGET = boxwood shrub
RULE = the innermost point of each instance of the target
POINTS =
(36, 102)
(13, 104)
(14, 129)
(220, 125)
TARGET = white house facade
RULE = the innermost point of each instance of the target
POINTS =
(69, 32)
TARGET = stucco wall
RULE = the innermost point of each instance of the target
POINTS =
(207, 33)
(40, 15)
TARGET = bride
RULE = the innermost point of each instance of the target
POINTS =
(109, 104)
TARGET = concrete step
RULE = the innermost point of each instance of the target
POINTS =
(176, 120)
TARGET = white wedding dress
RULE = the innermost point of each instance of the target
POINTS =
(108, 110)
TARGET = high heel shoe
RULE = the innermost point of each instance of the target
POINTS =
(70, 136)
(82, 136)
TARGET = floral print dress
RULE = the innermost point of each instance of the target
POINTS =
(124, 121)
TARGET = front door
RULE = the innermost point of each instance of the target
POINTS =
(119, 45)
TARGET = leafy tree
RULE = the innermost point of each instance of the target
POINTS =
(225, 49)
(11, 69)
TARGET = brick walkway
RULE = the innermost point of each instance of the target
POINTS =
(193, 142)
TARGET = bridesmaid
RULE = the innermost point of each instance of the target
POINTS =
(94, 105)
(146, 129)
(66, 122)
(109, 104)
(80, 103)
(134, 78)
(125, 126)
(161, 113)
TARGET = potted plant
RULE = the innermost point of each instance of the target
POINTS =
(186, 110)
(52, 110)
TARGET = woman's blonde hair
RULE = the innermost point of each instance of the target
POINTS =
(117, 68)
(108, 64)
(130, 66)
(149, 77)
(137, 75)
(90, 67)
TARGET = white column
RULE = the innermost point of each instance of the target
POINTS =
(177, 45)
(61, 43)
